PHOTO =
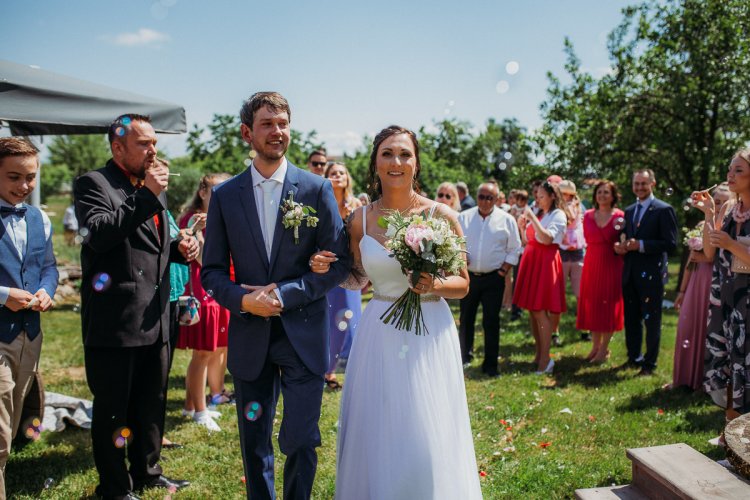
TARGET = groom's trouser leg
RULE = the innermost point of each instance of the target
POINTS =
(255, 433)
(299, 434)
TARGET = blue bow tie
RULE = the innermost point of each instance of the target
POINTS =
(6, 211)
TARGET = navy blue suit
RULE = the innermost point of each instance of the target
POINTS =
(287, 353)
(644, 276)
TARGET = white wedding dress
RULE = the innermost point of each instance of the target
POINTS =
(404, 425)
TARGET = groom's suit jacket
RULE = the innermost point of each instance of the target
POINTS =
(234, 235)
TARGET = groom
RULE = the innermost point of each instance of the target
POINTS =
(278, 334)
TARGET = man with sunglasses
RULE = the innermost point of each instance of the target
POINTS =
(316, 162)
(493, 244)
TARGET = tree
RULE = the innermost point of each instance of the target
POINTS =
(674, 101)
(79, 153)
(219, 146)
(69, 157)
(453, 152)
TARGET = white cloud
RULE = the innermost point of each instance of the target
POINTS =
(143, 36)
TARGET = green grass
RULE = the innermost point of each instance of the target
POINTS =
(610, 411)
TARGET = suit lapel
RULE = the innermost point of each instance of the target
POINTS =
(126, 189)
(247, 198)
(290, 186)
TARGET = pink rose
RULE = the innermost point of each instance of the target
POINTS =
(415, 235)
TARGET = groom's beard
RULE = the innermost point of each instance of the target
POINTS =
(270, 152)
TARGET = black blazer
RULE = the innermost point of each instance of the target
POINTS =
(658, 231)
(125, 264)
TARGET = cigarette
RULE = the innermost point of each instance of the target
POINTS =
(174, 173)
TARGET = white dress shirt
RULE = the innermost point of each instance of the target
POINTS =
(491, 241)
(556, 223)
(15, 228)
(273, 204)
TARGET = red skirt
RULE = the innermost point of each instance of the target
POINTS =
(540, 285)
(212, 330)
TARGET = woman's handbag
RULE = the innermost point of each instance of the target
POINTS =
(188, 307)
(738, 266)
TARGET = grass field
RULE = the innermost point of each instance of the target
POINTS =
(535, 437)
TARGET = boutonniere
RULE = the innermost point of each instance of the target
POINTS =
(295, 214)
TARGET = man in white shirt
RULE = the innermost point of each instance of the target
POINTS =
(494, 244)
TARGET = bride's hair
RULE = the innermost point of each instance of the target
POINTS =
(375, 190)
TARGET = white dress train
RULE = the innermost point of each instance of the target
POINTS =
(404, 424)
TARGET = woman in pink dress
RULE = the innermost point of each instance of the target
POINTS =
(540, 285)
(600, 305)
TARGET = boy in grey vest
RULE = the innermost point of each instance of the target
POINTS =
(28, 279)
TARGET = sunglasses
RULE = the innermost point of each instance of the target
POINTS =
(445, 195)
(485, 197)
(318, 164)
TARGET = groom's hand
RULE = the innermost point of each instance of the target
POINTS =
(261, 301)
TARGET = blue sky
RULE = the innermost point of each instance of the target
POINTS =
(348, 68)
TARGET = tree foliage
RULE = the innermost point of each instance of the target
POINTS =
(450, 151)
(219, 146)
(675, 101)
(69, 157)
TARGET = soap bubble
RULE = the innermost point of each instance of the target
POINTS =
(512, 67)
(502, 87)
(502, 165)
(159, 11)
(686, 344)
(48, 483)
(101, 282)
(668, 192)
(32, 428)
(253, 411)
(122, 437)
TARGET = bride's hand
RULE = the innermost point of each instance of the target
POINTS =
(320, 262)
(426, 284)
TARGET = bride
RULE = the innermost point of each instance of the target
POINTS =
(404, 423)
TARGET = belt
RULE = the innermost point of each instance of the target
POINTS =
(494, 271)
(388, 298)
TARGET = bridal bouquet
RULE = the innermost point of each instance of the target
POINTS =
(420, 244)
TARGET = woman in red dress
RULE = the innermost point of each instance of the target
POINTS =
(207, 338)
(540, 286)
(600, 305)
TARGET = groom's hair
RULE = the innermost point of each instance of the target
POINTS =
(273, 100)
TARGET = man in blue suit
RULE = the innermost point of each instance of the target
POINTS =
(278, 333)
(651, 233)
